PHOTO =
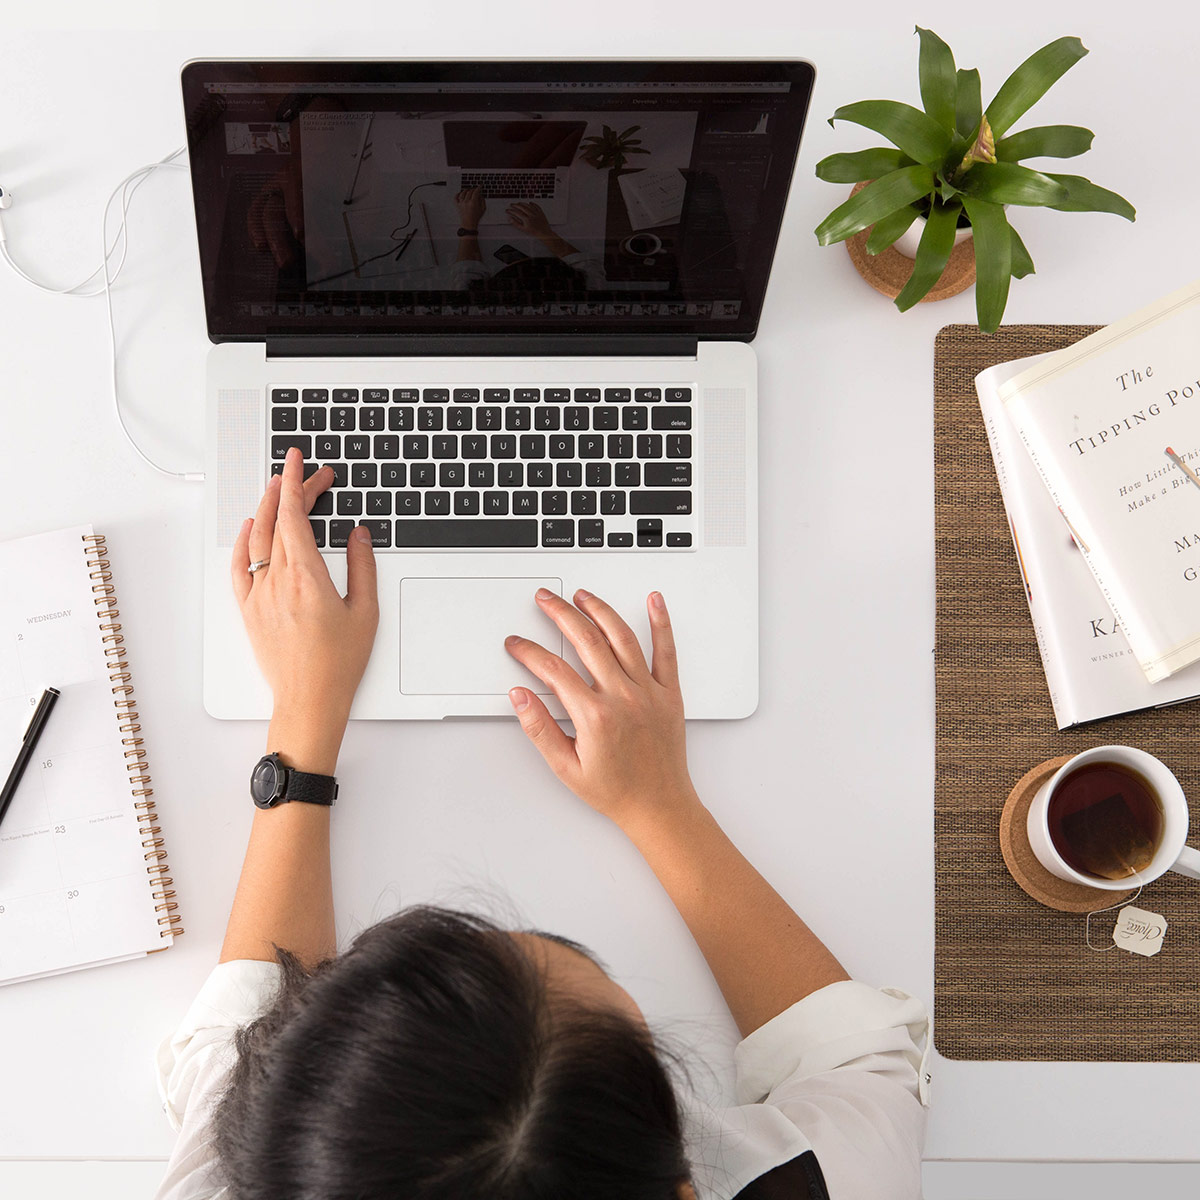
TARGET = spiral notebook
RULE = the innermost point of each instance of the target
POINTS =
(84, 878)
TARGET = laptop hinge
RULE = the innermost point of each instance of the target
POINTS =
(481, 347)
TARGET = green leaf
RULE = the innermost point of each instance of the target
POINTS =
(1045, 141)
(939, 84)
(1031, 81)
(1008, 183)
(876, 200)
(1022, 264)
(968, 107)
(1085, 196)
(918, 135)
(932, 254)
(888, 229)
(862, 164)
(993, 260)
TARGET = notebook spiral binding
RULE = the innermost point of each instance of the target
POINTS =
(113, 640)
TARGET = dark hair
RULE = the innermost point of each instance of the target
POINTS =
(430, 1061)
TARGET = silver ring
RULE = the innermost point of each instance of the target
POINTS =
(258, 566)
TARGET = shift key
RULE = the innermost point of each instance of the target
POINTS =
(659, 504)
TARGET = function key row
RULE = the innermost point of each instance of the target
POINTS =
(413, 395)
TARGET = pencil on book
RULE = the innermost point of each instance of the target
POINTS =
(1182, 466)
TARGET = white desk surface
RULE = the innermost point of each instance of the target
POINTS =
(828, 788)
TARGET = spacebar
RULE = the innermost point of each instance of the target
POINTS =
(466, 532)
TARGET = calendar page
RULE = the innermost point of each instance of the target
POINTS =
(76, 887)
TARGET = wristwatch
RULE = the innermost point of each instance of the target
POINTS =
(467, 232)
(271, 783)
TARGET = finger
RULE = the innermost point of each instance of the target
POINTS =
(624, 643)
(315, 484)
(362, 585)
(665, 667)
(561, 678)
(262, 532)
(293, 534)
(590, 643)
(545, 733)
(239, 566)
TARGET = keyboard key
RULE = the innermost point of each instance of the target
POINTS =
(634, 418)
(569, 475)
(562, 446)
(318, 528)
(379, 504)
(386, 446)
(495, 395)
(540, 475)
(669, 474)
(527, 395)
(672, 418)
(284, 418)
(400, 419)
(620, 445)
(647, 395)
(416, 445)
(612, 504)
(452, 475)
(629, 475)
(546, 418)
(313, 418)
(341, 419)
(575, 418)
(679, 445)
(591, 445)
(559, 395)
(436, 395)
(598, 475)
(510, 474)
(649, 533)
(393, 475)
(466, 504)
(617, 395)
(679, 396)
(437, 504)
(481, 475)
(679, 539)
(460, 533)
(474, 445)
(503, 446)
(583, 504)
(364, 475)
(349, 504)
(357, 445)
(445, 445)
(649, 445)
(618, 541)
(524, 504)
(558, 533)
(421, 475)
(315, 395)
(495, 504)
(322, 505)
(587, 395)
(339, 532)
(517, 418)
(345, 395)
(660, 502)
(591, 533)
(375, 395)
(284, 396)
(381, 532)
(284, 441)
(466, 395)
(488, 420)
(405, 395)
(372, 418)
(430, 420)
(408, 504)
(554, 504)
(341, 475)
(533, 445)
(459, 418)
(605, 418)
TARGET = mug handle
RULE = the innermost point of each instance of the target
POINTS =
(1188, 863)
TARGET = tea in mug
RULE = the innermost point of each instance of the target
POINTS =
(1105, 820)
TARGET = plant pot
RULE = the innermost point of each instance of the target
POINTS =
(910, 239)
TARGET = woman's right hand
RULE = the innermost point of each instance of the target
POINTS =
(628, 758)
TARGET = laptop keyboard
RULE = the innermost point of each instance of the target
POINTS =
(521, 468)
(525, 185)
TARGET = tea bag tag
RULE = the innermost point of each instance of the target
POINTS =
(1139, 931)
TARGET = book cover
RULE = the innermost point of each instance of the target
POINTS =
(1096, 419)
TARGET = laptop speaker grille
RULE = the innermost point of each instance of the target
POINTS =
(724, 466)
(239, 455)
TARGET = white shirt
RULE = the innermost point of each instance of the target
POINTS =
(841, 1072)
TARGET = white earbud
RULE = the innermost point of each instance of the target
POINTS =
(5, 199)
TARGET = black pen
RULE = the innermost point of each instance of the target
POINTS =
(28, 746)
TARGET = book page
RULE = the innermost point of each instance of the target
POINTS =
(74, 887)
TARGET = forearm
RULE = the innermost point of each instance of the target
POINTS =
(762, 955)
(468, 248)
(285, 893)
(557, 246)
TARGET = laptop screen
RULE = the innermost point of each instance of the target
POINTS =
(490, 198)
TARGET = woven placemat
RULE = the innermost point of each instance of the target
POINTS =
(1013, 979)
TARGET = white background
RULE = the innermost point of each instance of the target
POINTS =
(828, 788)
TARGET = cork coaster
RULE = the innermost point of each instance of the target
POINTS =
(1023, 865)
(888, 271)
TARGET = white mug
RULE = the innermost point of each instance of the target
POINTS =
(1171, 854)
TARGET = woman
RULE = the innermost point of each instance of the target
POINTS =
(443, 1057)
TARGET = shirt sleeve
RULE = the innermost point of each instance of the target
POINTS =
(848, 1066)
(590, 267)
(193, 1066)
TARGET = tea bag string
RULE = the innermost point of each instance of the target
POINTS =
(1087, 929)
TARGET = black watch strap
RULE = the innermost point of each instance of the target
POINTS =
(311, 789)
(273, 783)
(463, 232)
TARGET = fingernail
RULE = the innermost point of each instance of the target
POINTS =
(247, 523)
(543, 594)
(362, 533)
(582, 595)
(519, 698)
(657, 600)
(511, 640)
(293, 454)
(275, 481)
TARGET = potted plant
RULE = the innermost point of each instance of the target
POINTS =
(608, 149)
(956, 164)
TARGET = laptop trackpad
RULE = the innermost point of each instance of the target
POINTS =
(452, 635)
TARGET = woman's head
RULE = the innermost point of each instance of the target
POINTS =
(442, 1057)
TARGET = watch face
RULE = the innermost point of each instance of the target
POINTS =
(264, 781)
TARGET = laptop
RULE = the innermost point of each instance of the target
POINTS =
(514, 390)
